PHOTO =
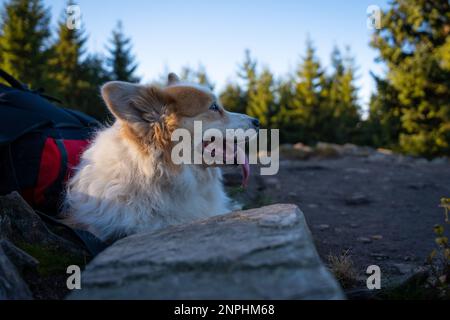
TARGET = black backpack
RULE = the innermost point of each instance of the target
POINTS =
(40, 144)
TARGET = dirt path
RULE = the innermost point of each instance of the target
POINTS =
(381, 210)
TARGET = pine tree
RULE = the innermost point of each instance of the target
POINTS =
(233, 99)
(287, 122)
(95, 74)
(248, 74)
(308, 110)
(24, 36)
(199, 76)
(65, 65)
(341, 101)
(261, 100)
(121, 60)
(203, 78)
(413, 42)
(383, 126)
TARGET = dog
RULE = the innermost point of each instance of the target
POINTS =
(126, 181)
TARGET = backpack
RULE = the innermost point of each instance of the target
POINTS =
(40, 144)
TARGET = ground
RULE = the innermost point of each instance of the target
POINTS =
(375, 207)
(379, 209)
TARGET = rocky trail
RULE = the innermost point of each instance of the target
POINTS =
(377, 207)
(350, 206)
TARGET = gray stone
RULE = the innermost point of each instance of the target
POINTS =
(357, 200)
(21, 260)
(12, 286)
(405, 268)
(20, 224)
(364, 240)
(323, 227)
(440, 160)
(264, 253)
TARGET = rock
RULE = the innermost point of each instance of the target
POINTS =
(357, 200)
(264, 253)
(338, 230)
(364, 240)
(421, 161)
(32, 256)
(404, 268)
(357, 170)
(328, 150)
(20, 224)
(440, 160)
(21, 260)
(323, 227)
(299, 151)
(377, 237)
(379, 256)
(12, 286)
(384, 151)
(377, 156)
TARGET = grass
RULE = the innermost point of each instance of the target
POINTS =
(343, 269)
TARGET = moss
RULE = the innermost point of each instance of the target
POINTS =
(414, 288)
(51, 260)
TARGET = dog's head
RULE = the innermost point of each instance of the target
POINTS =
(149, 114)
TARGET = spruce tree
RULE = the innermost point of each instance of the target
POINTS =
(261, 101)
(95, 74)
(308, 101)
(199, 76)
(414, 42)
(24, 36)
(383, 126)
(248, 74)
(203, 78)
(121, 60)
(233, 99)
(342, 100)
(65, 65)
(287, 122)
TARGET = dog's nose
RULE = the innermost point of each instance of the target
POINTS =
(255, 123)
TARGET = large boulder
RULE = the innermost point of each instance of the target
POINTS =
(12, 286)
(264, 253)
(34, 256)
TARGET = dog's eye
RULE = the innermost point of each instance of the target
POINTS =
(214, 107)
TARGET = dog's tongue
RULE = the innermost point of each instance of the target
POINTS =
(245, 172)
(241, 158)
(238, 155)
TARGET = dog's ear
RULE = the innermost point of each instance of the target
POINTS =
(135, 103)
(172, 79)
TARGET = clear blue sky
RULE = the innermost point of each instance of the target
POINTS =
(170, 34)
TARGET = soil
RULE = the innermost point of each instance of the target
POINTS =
(382, 211)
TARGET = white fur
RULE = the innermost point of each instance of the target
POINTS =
(117, 190)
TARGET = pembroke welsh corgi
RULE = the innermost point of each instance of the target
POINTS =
(126, 181)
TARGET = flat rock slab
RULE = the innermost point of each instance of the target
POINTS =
(264, 253)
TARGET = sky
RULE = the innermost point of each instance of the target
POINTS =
(168, 35)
